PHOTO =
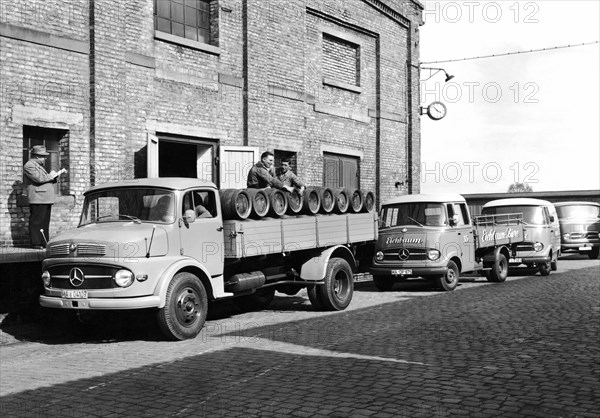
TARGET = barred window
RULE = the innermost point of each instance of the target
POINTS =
(341, 60)
(188, 19)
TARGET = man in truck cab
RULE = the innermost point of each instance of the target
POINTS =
(260, 175)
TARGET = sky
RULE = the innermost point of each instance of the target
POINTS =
(529, 118)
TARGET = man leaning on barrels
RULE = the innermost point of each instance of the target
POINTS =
(260, 175)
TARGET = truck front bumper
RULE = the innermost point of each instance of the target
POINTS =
(529, 260)
(414, 271)
(97, 303)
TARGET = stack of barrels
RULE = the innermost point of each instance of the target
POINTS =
(269, 202)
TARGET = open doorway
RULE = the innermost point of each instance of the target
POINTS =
(186, 157)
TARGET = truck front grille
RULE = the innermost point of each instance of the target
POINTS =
(94, 277)
(413, 254)
(525, 246)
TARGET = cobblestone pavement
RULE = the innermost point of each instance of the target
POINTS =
(526, 347)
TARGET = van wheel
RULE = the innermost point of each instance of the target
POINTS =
(449, 281)
(257, 301)
(499, 270)
(383, 283)
(545, 269)
(336, 294)
(594, 253)
(185, 308)
(554, 264)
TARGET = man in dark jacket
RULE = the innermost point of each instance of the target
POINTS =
(40, 191)
(260, 175)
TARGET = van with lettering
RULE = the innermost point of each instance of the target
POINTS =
(579, 227)
(541, 246)
(434, 237)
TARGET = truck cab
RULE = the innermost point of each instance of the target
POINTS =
(541, 246)
(429, 236)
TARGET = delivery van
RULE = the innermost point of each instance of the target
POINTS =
(541, 246)
(579, 227)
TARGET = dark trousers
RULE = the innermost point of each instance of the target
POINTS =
(39, 218)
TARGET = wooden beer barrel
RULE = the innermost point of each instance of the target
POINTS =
(235, 204)
(368, 202)
(311, 201)
(327, 199)
(341, 200)
(295, 201)
(278, 203)
(260, 202)
(356, 200)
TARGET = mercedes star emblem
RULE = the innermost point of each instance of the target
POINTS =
(73, 247)
(404, 254)
(76, 277)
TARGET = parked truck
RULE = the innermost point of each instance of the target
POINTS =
(145, 244)
(435, 237)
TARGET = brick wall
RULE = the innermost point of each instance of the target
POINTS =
(266, 83)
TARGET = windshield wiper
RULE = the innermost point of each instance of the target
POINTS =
(132, 218)
(415, 221)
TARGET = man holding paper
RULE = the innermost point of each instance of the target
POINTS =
(40, 191)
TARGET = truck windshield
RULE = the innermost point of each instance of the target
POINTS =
(578, 211)
(420, 214)
(130, 204)
(532, 215)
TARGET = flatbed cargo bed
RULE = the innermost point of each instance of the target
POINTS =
(251, 237)
(493, 230)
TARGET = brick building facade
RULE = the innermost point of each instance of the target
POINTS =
(122, 90)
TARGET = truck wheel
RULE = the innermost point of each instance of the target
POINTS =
(449, 281)
(257, 301)
(383, 283)
(544, 269)
(499, 270)
(185, 309)
(336, 293)
(554, 264)
(314, 295)
(594, 253)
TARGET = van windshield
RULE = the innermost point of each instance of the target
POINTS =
(578, 211)
(130, 204)
(420, 214)
(533, 215)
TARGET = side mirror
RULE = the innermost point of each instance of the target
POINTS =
(190, 216)
(454, 220)
(551, 218)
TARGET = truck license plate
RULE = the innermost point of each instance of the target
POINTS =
(515, 260)
(401, 272)
(74, 294)
(585, 248)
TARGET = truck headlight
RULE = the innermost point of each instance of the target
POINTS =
(538, 246)
(46, 278)
(566, 236)
(433, 255)
(123, 278)
(379, 256)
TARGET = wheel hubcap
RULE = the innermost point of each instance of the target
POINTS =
(188, 305)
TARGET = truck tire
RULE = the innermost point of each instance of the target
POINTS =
(545, 269)
(554, 264)
(185, 309)
(314, 295)
(594, 253)
(499, 270)
(336, 294)
(449, 281)
(257, 301)
(383, 283)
